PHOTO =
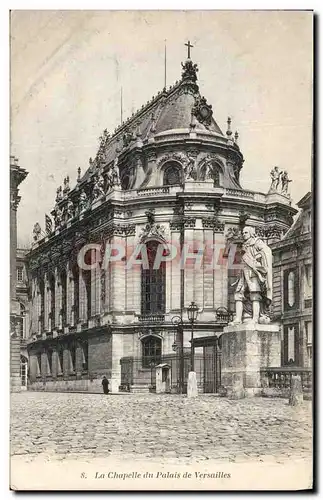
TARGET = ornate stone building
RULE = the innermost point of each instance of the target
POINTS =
(17, 175)
(23, 326)
(164, 186)
(292, 287)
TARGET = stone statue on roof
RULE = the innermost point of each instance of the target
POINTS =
(83, 202)
(285, 180)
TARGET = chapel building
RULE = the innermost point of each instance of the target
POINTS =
(164, 185)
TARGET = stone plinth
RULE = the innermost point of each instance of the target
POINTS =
(202, 186)
(247, 348)
(191, 385)
(296, 391)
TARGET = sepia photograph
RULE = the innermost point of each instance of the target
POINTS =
(161, 249)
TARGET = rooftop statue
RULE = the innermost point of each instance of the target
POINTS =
(253, 293)
(36, 231)
(285, 180)
(83, 202)
(275, 175)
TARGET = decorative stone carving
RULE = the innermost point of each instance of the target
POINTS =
(189, 222)
(66, 189)
(152, 230)
(59, 194)
(37, 232)
(213, 223)
(270, 232)
(233, 234)
(98, 187)
(83, 202)
(181, 158)
(190, 168)
(115, 173)
(189, 71)
(70, 210)
(202, 111)
(178, 210)
(58, 217)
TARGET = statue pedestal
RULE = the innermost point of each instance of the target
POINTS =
(246, 348)
(199, 186)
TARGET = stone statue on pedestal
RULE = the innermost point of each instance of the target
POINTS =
(253, 293)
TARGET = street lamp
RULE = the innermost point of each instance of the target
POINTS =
(177, 321)
(192, 312)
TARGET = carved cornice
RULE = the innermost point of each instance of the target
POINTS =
(270, 232)
(173, 156)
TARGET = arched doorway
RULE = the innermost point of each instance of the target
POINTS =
(23, 372)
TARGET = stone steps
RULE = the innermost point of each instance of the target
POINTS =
(144, 389)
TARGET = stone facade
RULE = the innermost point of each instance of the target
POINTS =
(292, 287)
(168, 176)
(17, 175)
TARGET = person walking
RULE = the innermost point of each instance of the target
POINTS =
(105, 385)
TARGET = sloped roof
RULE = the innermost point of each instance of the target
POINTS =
(170, 109)
(296, 228)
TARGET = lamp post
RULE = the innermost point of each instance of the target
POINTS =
(177, 321)
(192, 312)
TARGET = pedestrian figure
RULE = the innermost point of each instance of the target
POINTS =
(105, 385)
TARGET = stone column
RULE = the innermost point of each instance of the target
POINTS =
(69, 291)
(189, 264)
(82, 297)
(246, 348)
(132, 280)
(198, 271)
(174, 270)
(71, 298)
(95, 288)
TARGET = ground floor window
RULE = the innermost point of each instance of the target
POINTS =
(151, 351)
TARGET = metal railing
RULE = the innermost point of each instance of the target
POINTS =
(280, 377)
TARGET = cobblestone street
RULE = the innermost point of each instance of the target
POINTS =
(158, 427)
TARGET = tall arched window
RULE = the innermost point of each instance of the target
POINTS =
(151, 351)
(76, 274)
(64, 296)
(172, 174)
(51, 280)
(42, 304)
(153, 283)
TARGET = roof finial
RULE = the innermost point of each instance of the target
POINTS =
(229, 131)
(79, 174)
(189, 47)
(236, 137)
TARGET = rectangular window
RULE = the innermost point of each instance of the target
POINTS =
(308, 329)
(291, 289)
(291, 345)
(307, 281)
(20, 274)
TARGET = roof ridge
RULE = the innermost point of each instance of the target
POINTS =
(145, 107)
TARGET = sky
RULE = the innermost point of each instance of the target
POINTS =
(67, 69)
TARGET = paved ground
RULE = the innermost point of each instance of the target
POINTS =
(163, 428)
